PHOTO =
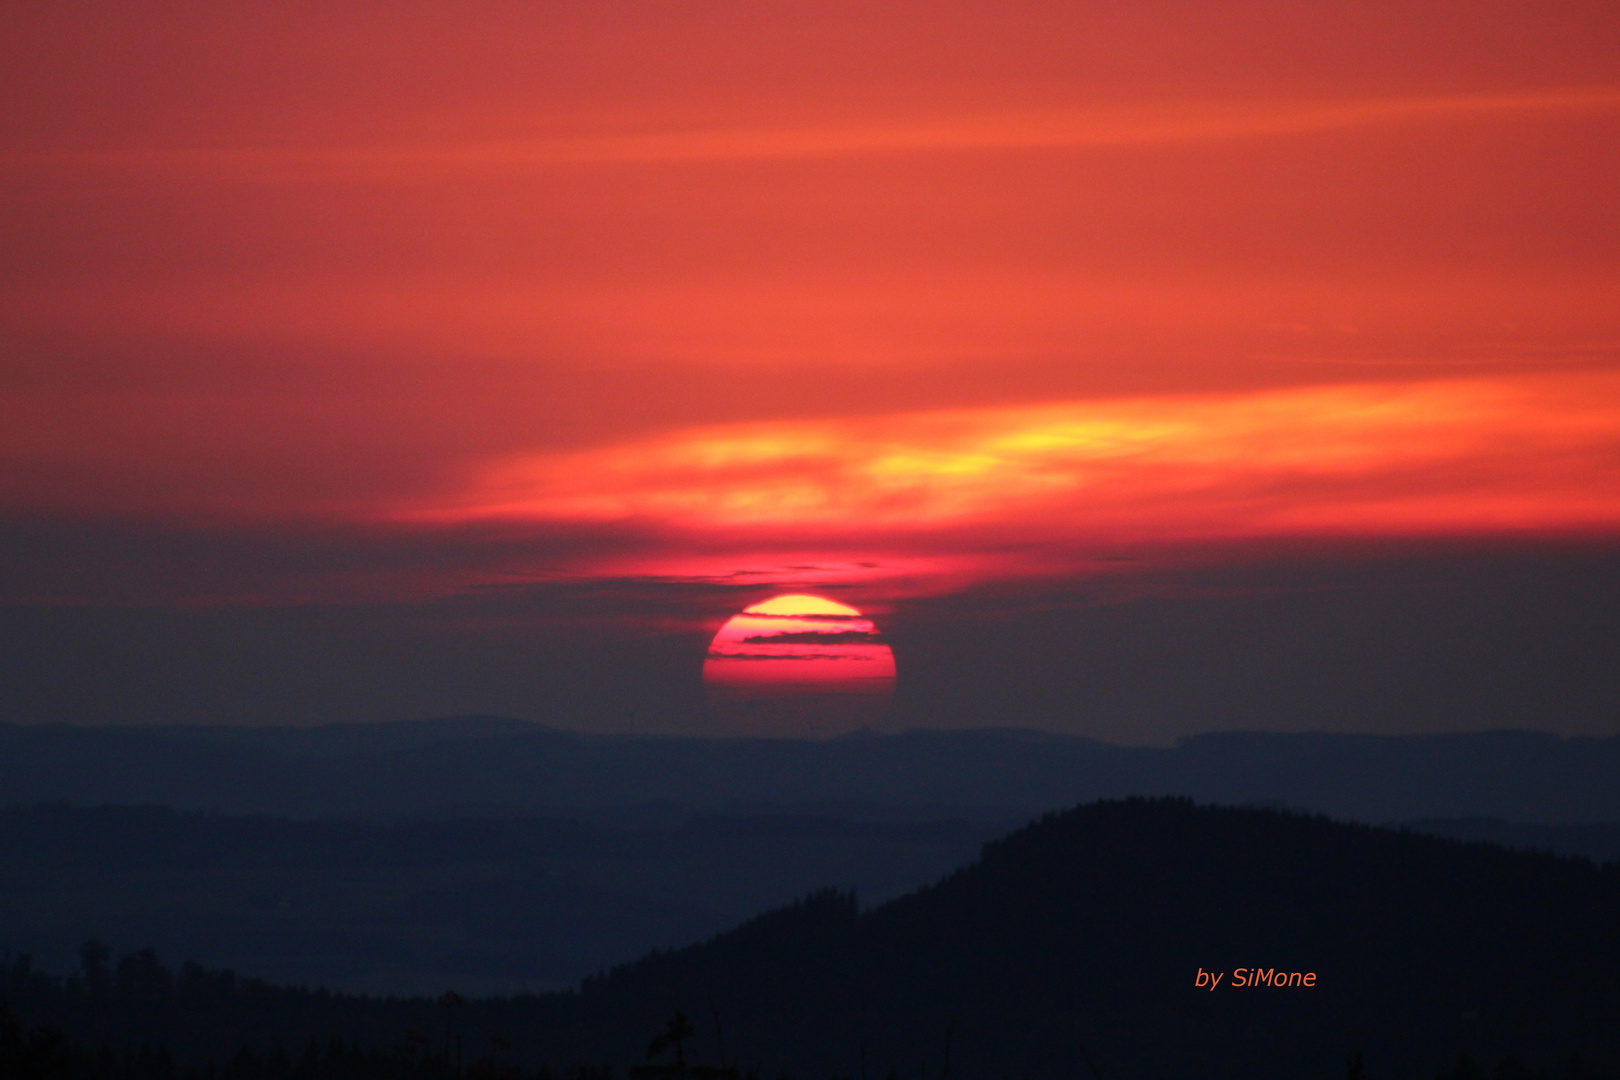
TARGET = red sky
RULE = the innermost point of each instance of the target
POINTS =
(959, 291)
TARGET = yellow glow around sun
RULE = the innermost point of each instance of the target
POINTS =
(800, 604)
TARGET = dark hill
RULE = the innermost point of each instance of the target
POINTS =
(1070, 949)
(488, 905)
(1090, 927)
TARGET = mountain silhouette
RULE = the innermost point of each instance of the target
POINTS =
(1081, 945)
(489, 905)
(1091, 928)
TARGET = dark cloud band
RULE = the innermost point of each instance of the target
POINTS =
(787, 656)
(814, 637)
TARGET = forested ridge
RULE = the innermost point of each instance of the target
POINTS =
(1074, 940)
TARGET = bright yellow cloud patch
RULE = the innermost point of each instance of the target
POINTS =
(1475, 454)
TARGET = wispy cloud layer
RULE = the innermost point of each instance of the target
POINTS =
(1525, 453)
(1158, 124)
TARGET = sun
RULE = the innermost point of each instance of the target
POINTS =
(798, 665)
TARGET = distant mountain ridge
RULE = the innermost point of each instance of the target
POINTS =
(507, 765)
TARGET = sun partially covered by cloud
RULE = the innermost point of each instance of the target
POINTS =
(1531, 453)
(799, 658)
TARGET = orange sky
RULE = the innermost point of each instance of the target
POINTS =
(909, 280)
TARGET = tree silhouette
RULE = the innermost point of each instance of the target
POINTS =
(93, 959)
(680, 1029)
(673, 1038)
(450, 1001)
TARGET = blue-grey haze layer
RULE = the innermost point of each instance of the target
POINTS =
(499, 765)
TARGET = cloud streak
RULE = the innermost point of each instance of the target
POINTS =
(1527, 453)
(790, 656)
(1166, 124)
(815, 637)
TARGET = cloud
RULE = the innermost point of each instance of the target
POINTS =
(827, 617)
(788, 656)
(812, 637)
(1061, 129)
(1480, 455)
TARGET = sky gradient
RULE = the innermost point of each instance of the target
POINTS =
(308, 307)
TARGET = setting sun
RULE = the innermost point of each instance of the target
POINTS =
(801, 665)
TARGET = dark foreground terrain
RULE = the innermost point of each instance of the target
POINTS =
(1073, 947)
(488, 905)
